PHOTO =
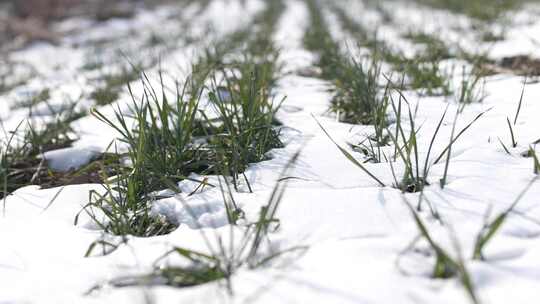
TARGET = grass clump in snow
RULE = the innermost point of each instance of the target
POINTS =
(424, 74)
(434, 48)
(415, 178)
(55, 133)
(253, 40)
(246, 120)
(490, 228)
(357, 97)
(21, 161)
(446, 266)
(250, 251)
(112, 84)
(8, 156)
(372, 146)
(318, 40)
(246, 124)
(122, 210)
(160, 144)
(161, 151)
(423, 71)
(265, 23)
(170, 139)
(406, 149)
(248, 246)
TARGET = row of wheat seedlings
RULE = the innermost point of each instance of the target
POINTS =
(405, 143)
(171, 139)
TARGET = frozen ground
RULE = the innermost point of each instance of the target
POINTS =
(355, 231)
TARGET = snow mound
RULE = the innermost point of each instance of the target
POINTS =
(67, 159)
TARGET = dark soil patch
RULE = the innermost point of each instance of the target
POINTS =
(35, 171)
(93, 173)
(520, 65)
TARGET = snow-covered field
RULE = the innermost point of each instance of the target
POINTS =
(357, 242)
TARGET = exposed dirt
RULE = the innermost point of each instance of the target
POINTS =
(520, 65)
(50, 10)
(35, 171)
(26, 21)
(93, 173)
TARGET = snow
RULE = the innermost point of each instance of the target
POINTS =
(355, 230)
(67, 159)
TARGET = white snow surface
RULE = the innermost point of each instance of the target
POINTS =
(354, 230)
(67, 159)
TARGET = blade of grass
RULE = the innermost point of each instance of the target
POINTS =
(349, 156)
